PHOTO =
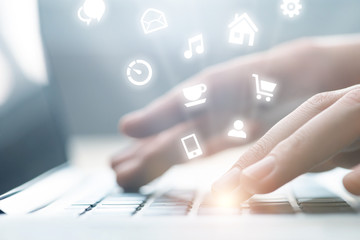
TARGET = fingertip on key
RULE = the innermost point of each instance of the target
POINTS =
(228, 182)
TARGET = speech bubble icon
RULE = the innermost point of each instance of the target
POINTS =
(94, 9)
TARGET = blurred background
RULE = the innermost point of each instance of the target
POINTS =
(89, 61)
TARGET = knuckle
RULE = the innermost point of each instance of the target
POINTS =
(242, 163)
(320, 101)
(262, 147)
(290, 145)
(256, 152)
(352, 100)
(353, 96)
(297, 140)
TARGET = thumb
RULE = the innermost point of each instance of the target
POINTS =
(351, 181)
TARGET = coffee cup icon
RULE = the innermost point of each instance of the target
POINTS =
(193, 94)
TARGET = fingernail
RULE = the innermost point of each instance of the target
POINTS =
(128, 123)
(241, 194)
(351, 182)
(131, 116)
(261, 169)
(227, 182)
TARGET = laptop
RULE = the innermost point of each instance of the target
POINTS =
(41, 191)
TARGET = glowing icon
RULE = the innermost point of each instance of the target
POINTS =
(237, 131)
(153, 20)
(139, 72)
(90, 10)
(264, 88)
(240, 28)
(191, 146)
(193, 94)
(196, 41)
(291, 7)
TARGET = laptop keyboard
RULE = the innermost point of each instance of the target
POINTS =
(299, 197)
(183, 203)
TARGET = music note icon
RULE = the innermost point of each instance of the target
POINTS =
(195, 41)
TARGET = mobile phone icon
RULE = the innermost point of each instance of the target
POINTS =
(191, 146)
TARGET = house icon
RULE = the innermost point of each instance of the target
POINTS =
(242, 27)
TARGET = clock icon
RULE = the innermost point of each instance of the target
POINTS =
(139, 72)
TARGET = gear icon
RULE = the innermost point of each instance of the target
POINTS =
(291, 7)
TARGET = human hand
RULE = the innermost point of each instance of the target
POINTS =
(158, 128)
(324, 132)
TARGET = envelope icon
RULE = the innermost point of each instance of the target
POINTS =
(153, 20)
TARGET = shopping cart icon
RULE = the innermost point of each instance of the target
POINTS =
(264, 88)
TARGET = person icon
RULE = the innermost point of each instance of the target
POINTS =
(237, 132)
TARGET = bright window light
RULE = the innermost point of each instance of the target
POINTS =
(19, 21)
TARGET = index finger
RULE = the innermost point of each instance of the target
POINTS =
(315, 142)
(282, 130)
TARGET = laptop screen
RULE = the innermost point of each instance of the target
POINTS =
(32, 139)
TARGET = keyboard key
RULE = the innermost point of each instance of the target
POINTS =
(127, 195)
(177, 196)
(215, 206)
(263, 198)
(118, 206)
(169, 204)
(114, 209)
(283, 207)
(79, 205)
(72, 211)
(327, 209)
(325, 205)
(206, 211)
(160, 213)
(124, 199)
(167, 208)
(121, 202)
(308, 188)
(109, 213)
(319, 200)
